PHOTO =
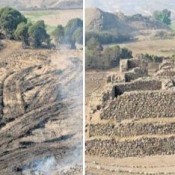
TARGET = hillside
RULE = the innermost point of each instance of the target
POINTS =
(42, 4)
(98, 20)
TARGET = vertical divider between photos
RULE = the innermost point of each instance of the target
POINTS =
(84, 113)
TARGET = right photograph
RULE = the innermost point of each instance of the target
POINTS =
(130, 87)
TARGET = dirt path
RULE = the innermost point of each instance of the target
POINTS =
(126, 166)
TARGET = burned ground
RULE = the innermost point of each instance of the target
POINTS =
(40, 94)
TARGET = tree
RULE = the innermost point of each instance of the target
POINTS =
(38, 35)
(125, 53)
(93, 44)
(70, 28)
(93, 52)
(21, 33)
(78, 35)
(163, 16)
(9, 20)
(112, 55)
(58, 34)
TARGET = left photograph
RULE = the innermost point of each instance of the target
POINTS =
(41, 87)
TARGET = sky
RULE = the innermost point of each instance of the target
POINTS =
(130, 7)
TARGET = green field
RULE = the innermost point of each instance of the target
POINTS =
(34, 16)
(37, 15)
(53, 18)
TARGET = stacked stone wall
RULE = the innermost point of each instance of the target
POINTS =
(131, 148)
(136, 115)
(135, 74)
(131, 129)
(143, 104)
(139, 85)
(135, 62)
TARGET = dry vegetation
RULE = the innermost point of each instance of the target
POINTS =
(41, 110)
(41, 104)
(152, 47)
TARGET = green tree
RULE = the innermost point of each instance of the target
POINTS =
(58, 34)
(78, 35)
(163, 16)
(21, 33)
(38, 35)
(93, 44)
(112, 55)
(70, 28)
(9, 20)
(125, 53)
(93, 52)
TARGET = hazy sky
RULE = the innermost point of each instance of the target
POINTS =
(132, 6)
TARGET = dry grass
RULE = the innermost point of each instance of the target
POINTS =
(154, 47)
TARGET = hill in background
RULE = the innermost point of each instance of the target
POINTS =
(42, 4)
(145, 7)
(98, 21)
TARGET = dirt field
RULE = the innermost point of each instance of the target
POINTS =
(154, 47)
(40, 111)
(126, 166)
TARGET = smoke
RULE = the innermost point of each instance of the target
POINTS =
(52, 166)
(71, 160)
(71, 89)
(43, 166)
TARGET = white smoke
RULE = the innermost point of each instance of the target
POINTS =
(41, 167)
(52, 166)
(71, 87)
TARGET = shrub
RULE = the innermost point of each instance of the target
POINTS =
(107, 38)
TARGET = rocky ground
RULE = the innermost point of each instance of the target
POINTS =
(40, 111)
(103, 161)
